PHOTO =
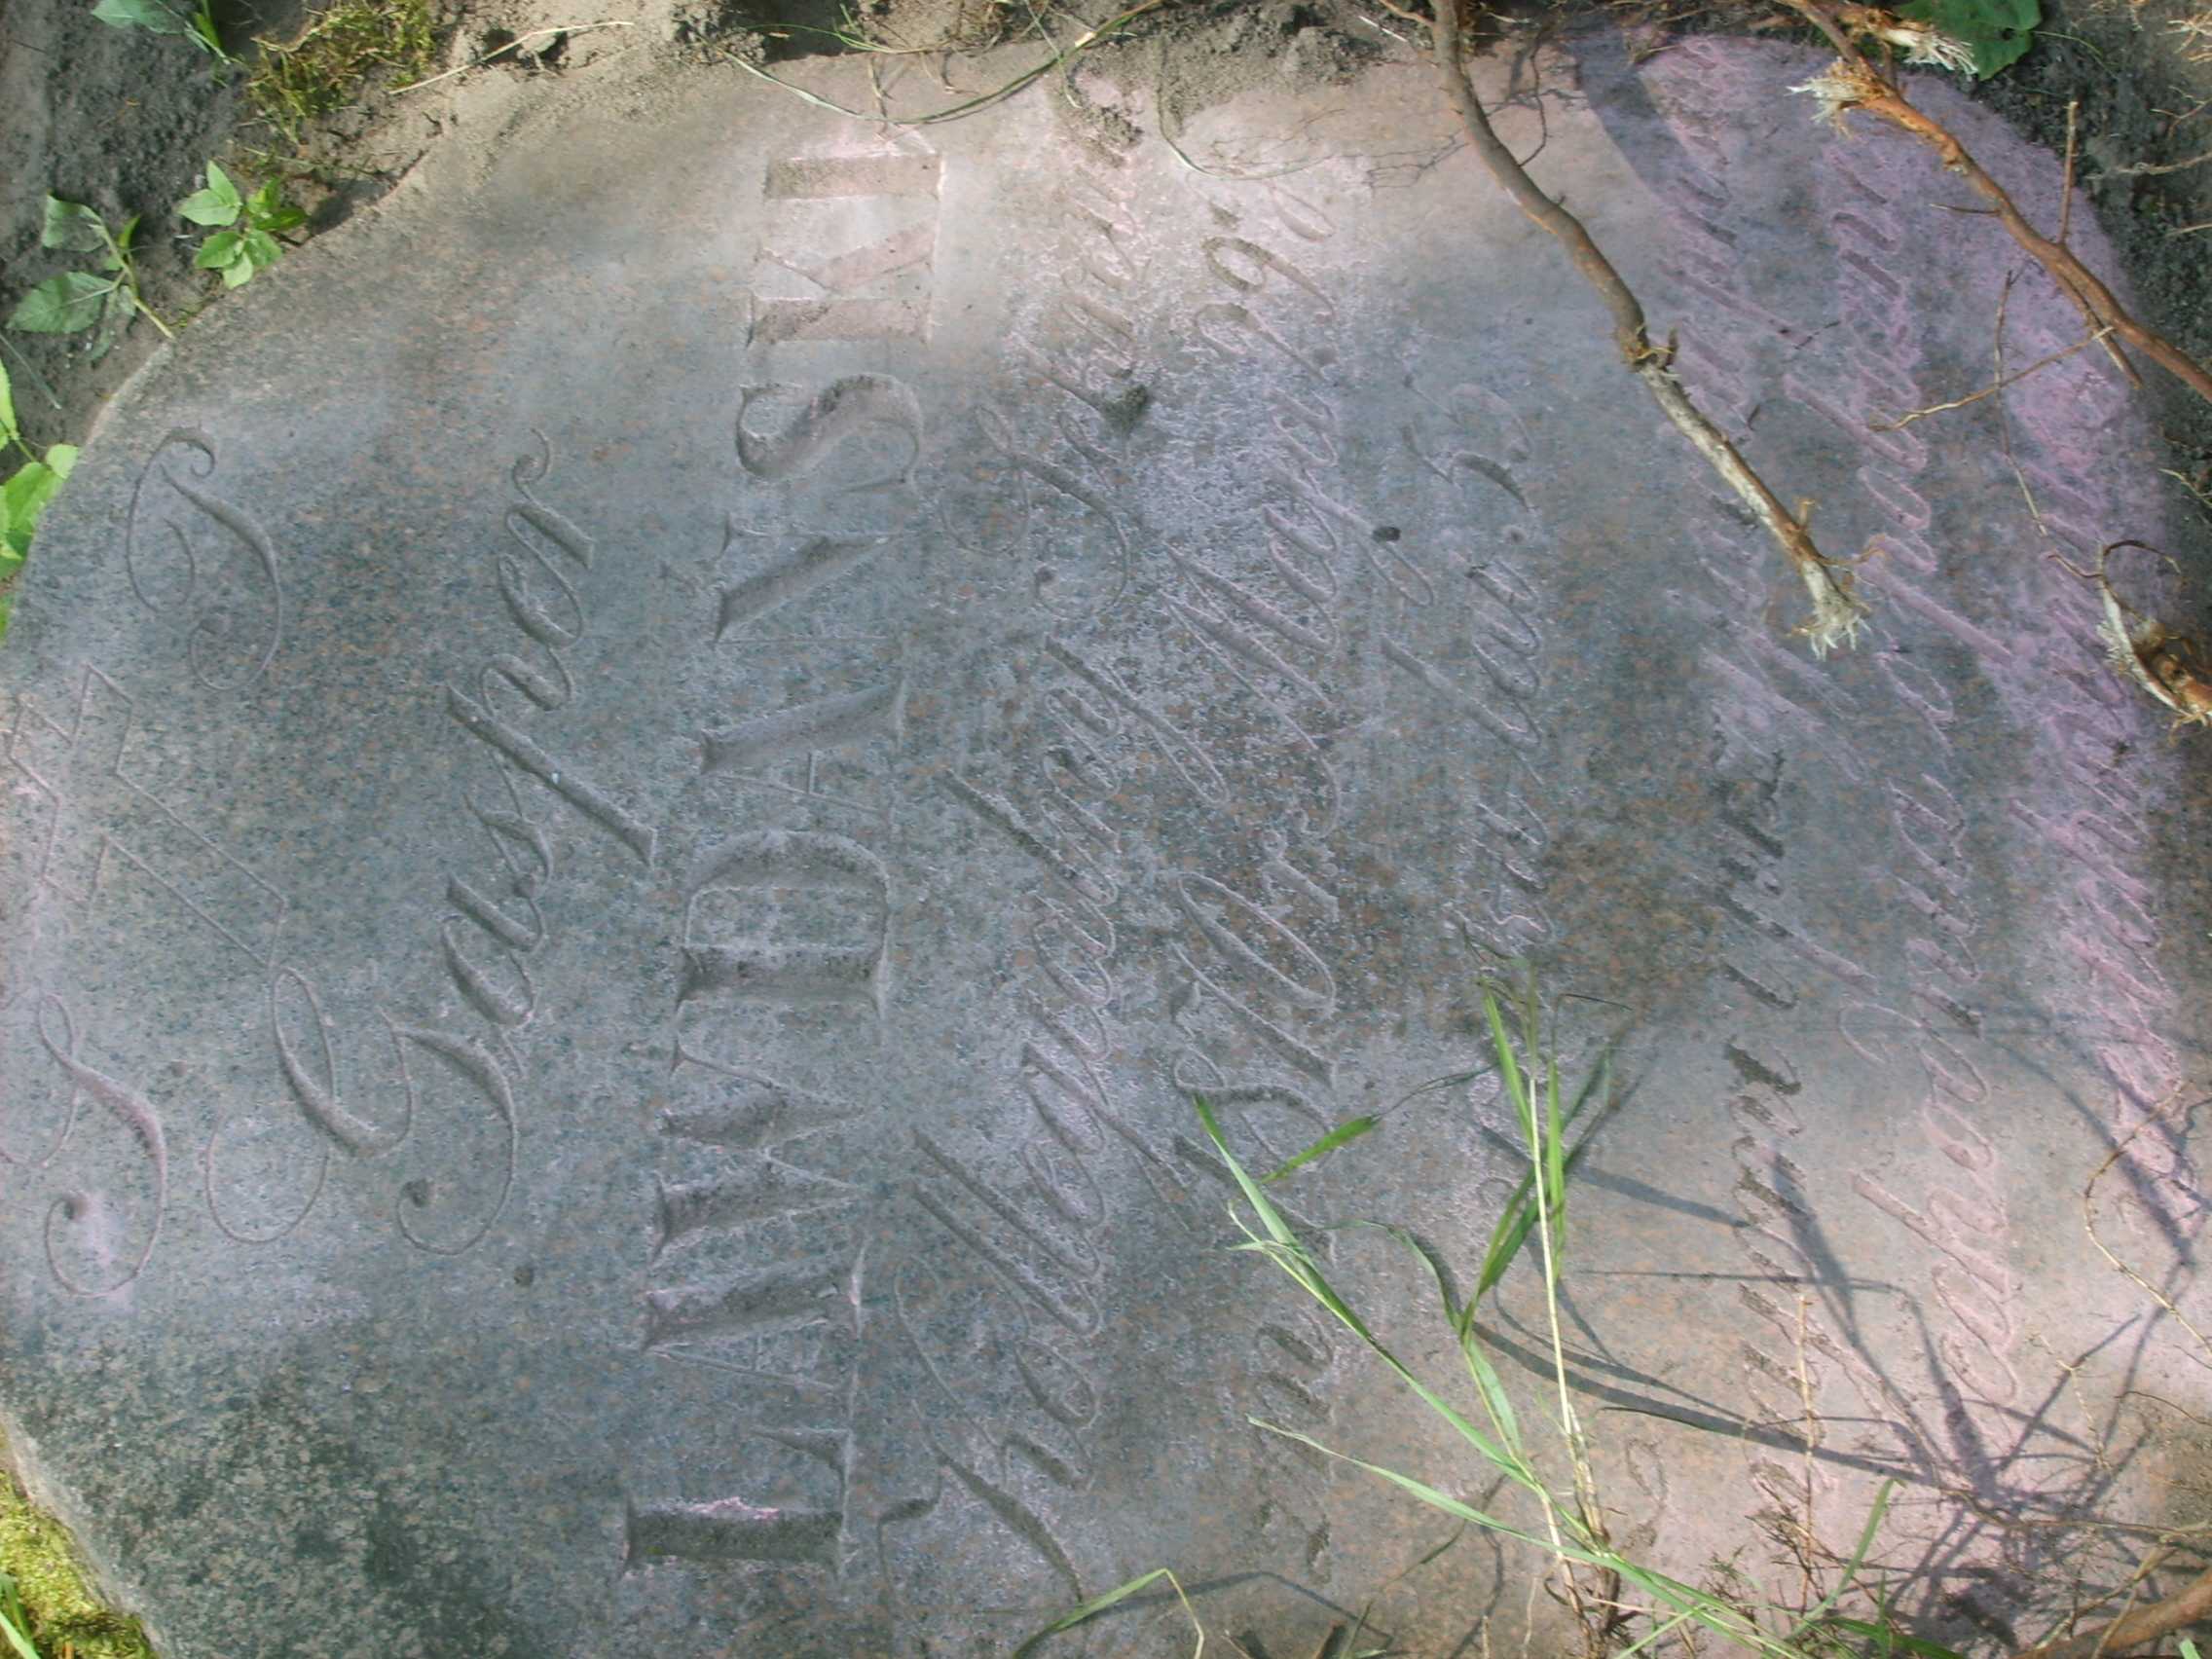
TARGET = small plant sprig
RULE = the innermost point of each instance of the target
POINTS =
(196, 24)
(1610, 1592)
(106, 297)
(251, 223)
(23, 498)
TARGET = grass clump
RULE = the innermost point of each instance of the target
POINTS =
(319, 73)
(44, 1591)
(1621, 1604)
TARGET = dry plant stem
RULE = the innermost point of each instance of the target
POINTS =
(1837, 611)
(514, 45)
(2089, 1194)
(1906, 419)
(2131, 1630)
(2078, 283)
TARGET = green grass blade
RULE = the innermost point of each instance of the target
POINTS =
(1505, 1240)
(1349, 1130)
(14, 1621)
(1509, 1068)
(1554, 1150)
(1497, 1405)
(1874, 1517)
(1288, 1251)
(1088, 1610)
(1435, 1500)
(1895, 1640)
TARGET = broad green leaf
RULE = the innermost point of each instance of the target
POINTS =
(218, 205)
(63, 304)
(24, 495)
(73, 225)
(1999, 31)
(221, 252)
(262, 248)
(9, 429)
(205, 208)
(23, 499)
(269, 210)
(142, 15)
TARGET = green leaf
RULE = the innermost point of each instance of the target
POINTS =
(262, 248)
(10, 432)
(268, 204)
(141, 14)
(221, 252)
(24, 497)
(63, 305)
(218, 205)
(1352, 1130)
(73, 225)
(204, 31)
(1998, 30)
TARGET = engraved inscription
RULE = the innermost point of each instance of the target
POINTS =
(193, 554)
(848, 248)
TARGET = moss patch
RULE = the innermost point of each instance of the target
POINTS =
(322, 70)
(66, 1621)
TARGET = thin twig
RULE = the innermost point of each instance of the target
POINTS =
(2178, 1611)
(2066, 184)
(1905, 421)
(513, 46)
(1837, 609)
(2089, 1194)
(2005, 420)
(1060, 59)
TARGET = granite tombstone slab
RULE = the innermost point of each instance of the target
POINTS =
(640, 789)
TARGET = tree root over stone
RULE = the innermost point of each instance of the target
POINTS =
(1838, 610)
(1855, 82)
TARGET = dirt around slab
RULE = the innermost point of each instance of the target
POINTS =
(126, 121)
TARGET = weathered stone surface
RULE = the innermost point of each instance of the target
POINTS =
(638, 790)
